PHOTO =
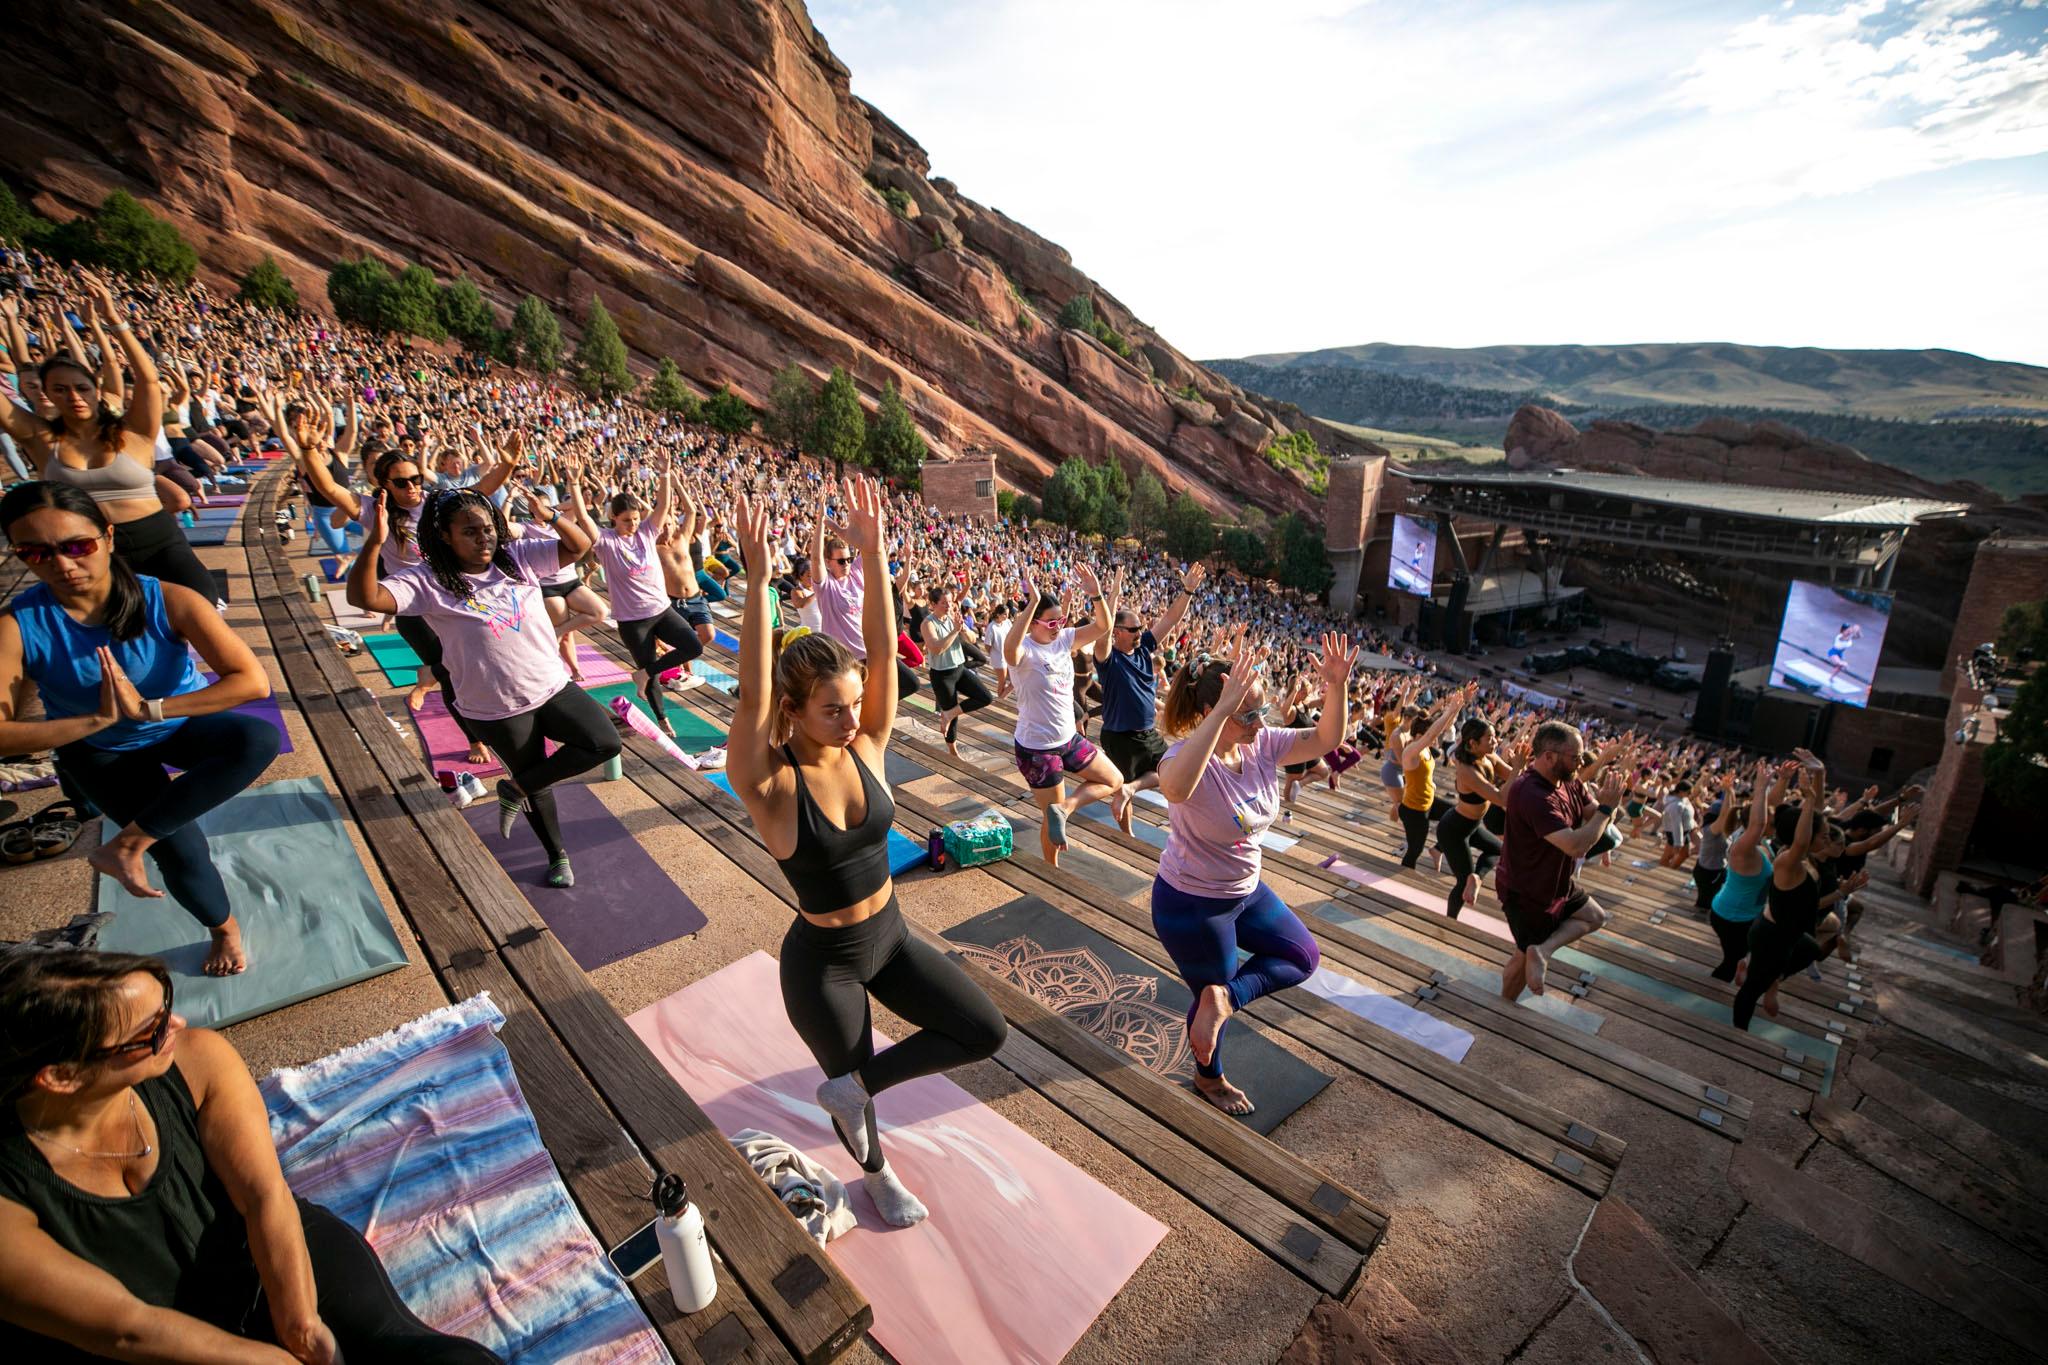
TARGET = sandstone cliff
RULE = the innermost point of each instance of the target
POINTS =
(699, 164)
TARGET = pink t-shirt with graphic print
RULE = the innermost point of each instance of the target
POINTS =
(1213, 847)
(840, 602)
(632, 573)
(496, 639)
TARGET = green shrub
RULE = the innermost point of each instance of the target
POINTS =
(898, 200)
(355, 290)
(895, 446)
(726, 411)
(21, 224)
(466, 315)
(1297, 452)
(536, 338)
(267, 286)
(666, 392)
(1148, 505)
(124, 237)
(601, 354)
(1189, 532)
(1079, 314)
(839, 429)
(1302, 562)
(792, 407)
(411, 306)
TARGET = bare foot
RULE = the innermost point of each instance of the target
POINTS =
(228, 957)
(1770, 1001)
(1741, 970)
(123, 862)
(1211, 1009)
(1472, 890)
(1224, 1095)
(1535, 966)
(479, 756)
(1120, 807)
(416, 698)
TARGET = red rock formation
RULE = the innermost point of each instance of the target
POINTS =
(699, 164)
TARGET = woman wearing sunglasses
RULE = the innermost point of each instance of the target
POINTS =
(1039, 654)
(143, 1215)
(111, 455)
(399, 478)
(110, 653)
(1221, 780)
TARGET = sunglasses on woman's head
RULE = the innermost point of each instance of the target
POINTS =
(1255, 716)
(152, 1044)
(70, 549)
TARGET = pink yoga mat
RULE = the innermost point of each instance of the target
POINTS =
(1420, 899)
(1021, 1251)
(441, 738)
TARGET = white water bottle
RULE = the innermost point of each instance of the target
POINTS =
(685, 1253)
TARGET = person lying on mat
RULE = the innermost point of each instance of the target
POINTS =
(1221, 781)
(810, 733)
(143, 1215)
(402, 482)
(110, 653)
(480, 591)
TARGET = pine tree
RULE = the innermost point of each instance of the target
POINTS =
(267, 286)
(410, 306)
(356, 290)
(839, 430)
(466, 313)
(726, 411)
(536, 335)
(666, 392)
(1148, 505)
(1189, 532)
(1303, 561)
(792, 407)
(601, 356)
(895, 446)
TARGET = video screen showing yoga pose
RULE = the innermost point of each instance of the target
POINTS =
(1411, 561)
(1830, 640)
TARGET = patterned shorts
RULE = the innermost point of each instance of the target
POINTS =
(1045, 767)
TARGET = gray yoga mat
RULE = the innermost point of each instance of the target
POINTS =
(1127, 1003)
(309, 916)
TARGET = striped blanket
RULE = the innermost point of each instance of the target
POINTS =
(421, 1140)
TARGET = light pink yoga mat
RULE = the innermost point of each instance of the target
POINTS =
(346, 615)
(442, 739)
(1021, 1251)
(1420, 899)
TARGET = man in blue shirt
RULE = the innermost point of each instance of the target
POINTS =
(1130, 684)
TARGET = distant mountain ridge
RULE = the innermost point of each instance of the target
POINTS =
(1914, 384)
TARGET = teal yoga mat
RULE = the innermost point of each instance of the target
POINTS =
(693, 732)
(309, 916)
(392, 654)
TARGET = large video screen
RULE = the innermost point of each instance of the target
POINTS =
(1411, 563)
(1829, 641)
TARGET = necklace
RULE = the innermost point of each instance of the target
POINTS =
(147, 1147)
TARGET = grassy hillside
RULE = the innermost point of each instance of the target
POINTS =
(1419, 448)
(1922, 385)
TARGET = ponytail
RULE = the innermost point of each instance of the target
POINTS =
(1196, 685)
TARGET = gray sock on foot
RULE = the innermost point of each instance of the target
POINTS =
(899, 1207)
(846, 1100)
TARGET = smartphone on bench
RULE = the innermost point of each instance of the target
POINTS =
(637, 1254)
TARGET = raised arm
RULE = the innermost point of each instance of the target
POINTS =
(867, 518)
(1098, 625)
(506, 464)
(749, 760)
(145, 414)
(351, 428)
(1578, 841)
(112, 388)
(1339, 656)
(1115, 602)
(1180, 772)
(1020, 627)
(1412, 751)
(816, 576)
(365, 593)
(1190, 584)
(1790, 868)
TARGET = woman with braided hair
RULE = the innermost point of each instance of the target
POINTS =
(480, 590)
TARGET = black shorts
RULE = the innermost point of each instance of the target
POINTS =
(1531, 925)
(560, 589)
(1135, 752)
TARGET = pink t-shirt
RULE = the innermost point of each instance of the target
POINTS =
(1213, 847)
(632, 573)
(401, 547)
(533, 530)
(497, 640)
(839, 606)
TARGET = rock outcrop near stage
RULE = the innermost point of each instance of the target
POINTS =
(699, 164)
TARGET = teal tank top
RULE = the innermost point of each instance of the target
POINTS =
(57, 654)
(1742, 898)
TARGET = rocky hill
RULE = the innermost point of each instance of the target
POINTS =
(1918, 384)
(701, 165)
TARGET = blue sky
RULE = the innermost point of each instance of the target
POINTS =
(1261, 175)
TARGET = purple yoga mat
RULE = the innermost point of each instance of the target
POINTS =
(622, 903)
(266, 709)
(226, 499)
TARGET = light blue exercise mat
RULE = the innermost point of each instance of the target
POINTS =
(310, 919)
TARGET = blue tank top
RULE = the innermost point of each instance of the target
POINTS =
(1741, 898)
(58, 656)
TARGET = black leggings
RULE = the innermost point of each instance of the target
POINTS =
(1775, 952)
(420, 636)
(1734, 936)
(573, 719)
(1706, 881)
(1415, 823)
(155, 545)
(960, 687)
(360, 1306)
(642, 639)
(220, 754)
(827, 977)
(1456, 834)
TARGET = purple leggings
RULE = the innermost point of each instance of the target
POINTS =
(1202, 935)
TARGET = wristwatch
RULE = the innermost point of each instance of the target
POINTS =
(153, 707)
(1605, 809)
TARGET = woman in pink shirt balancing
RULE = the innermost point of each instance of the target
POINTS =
(1221, 780)
(480, 591)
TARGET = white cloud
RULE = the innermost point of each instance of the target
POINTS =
(1319, 172)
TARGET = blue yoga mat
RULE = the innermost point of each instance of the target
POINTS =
(309, 916)
(725, 641)
(905, 852)
(208, 533)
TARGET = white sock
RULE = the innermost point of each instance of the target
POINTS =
(846, 1100)
(899, 1207)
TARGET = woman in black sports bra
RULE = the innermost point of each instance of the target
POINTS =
(810, 730)
(1785, 938)
(1481, 773)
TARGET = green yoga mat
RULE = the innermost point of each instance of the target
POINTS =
(392, 654)
(693, 732)
(310, 919)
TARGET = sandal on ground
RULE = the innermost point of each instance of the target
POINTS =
(18, 842)
(55, 829)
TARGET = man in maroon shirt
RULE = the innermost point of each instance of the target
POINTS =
(1553, 821)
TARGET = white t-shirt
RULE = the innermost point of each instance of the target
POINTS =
(998, 632)
(1045, 690)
